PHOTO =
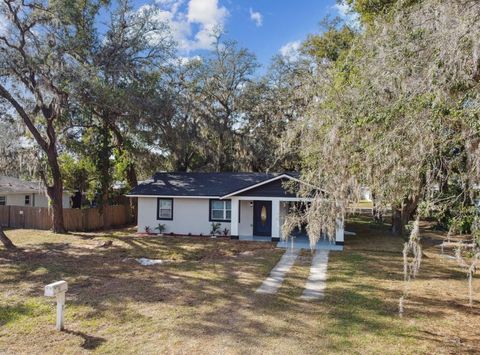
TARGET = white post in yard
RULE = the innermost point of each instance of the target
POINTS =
(60, 311)
(339, 232)
(58, 289)
(234, 218)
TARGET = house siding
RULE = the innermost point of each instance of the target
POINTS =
(245, 227)
(16, 200)
(190, 215)
(36, 200)
(272, 189)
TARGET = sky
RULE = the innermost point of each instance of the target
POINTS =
(265, 27)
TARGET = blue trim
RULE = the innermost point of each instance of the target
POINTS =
(339, 243)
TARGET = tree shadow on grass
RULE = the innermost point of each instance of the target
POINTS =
(207, 285)
(249, 317)
(89, 342)
(103, 281)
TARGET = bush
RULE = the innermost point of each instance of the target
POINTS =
(215, 228)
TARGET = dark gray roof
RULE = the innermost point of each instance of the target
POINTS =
(200, 184)
(10, 184)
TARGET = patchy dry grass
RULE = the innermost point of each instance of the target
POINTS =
(203, 300)
(363, 204)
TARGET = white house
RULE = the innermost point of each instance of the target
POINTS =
(246, 204)
(16, 192)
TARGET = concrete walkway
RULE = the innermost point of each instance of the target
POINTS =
(272, 283)
(316, 283)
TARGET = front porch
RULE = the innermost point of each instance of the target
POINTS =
(260, 218)
(302, 242)
(296, 242)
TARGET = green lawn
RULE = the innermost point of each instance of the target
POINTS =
(203, 300)
(363, 204)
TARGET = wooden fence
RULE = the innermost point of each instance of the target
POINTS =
(74, 219)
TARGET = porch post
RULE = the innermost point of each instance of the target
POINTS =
(275, 220)
(339, 232)
(234, 219)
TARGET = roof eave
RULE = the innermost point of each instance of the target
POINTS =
(171, 196)
(281, 176)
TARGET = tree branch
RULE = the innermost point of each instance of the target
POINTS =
(25, 117)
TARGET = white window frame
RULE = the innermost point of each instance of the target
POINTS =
(159, 218)
(227, 207)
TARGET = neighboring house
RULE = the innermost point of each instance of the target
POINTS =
(247, 204)
(365, 194)
(16, 192)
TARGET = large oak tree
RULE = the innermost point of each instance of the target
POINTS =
(35, 69)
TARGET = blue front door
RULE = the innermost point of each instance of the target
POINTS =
(262, 218)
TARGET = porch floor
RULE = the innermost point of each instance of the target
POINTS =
(299, 242)
(302, 242)
(255, 238)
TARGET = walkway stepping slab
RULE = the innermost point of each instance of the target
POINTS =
(316, 282)
(273, 282)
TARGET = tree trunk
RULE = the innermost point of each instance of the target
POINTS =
(397, 227)
(376, 212)
(55, 193)
(132, 175)
(7, 243)
(104, 166)
(104, 210)
(178, 162)
(409, 208)
(132, 181)
(401, 215)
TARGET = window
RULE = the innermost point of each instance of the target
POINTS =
(3, 200)
(27, 200)
(220, 210)
(165, 208)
